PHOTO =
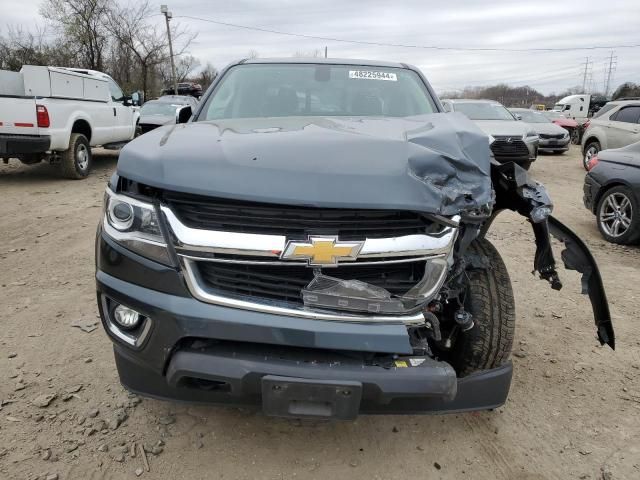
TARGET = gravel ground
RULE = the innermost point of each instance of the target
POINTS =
(573, 411)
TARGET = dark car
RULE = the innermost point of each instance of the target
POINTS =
(184, 88)
(313, 242)
(612, 193)
(166, 110)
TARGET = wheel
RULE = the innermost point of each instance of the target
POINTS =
(618, 216)
(76, 161)
(575, 136)
(489, 299)
(590, 150)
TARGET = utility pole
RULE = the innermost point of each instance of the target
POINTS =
(167, 15)
(325, 51)
(584, 77)
(612, 64)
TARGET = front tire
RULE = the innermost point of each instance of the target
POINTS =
(76, 161)
(618, 216)
(490, 300)
(590, 150)
(575, 136)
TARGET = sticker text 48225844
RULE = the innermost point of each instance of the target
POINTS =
(373, 75)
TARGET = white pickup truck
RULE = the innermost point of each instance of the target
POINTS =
(58, 114)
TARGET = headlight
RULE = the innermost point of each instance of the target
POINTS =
(531, 136)
(134, 225)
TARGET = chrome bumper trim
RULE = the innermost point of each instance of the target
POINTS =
(191, 240)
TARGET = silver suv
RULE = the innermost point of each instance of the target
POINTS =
(514, 141)
(616, 125)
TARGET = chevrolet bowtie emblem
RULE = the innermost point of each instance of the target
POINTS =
(322, 251)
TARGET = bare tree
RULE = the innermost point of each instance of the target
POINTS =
(132, 26)
(19, 47)
(185, 64)
(206, 76)
(252, 54)
(83, 22)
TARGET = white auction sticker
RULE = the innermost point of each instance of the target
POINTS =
(371, 75)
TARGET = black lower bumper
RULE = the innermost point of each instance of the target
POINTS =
(15, 145)
(242, 378)
(553, 145)
(590, 190)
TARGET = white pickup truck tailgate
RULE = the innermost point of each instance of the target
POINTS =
(18, 116)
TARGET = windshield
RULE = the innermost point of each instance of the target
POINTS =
(280, 90)
(483, 111)
(551, 114)
(530, 116)
(158, 108)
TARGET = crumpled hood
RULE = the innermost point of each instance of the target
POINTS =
(513, 128)
(437, 163)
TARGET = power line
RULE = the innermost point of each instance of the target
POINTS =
(403, 45)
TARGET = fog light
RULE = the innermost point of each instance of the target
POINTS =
(126, 317)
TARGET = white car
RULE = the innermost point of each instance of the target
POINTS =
(513, 141)
(58, 114)
(616, 125)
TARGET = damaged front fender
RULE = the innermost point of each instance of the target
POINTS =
(576, 256)
(516, 191)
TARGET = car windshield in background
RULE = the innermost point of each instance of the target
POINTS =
(483, 111)
(607, 108)
(159, 108)
(281, 90)
(553, 115)
(530, 116)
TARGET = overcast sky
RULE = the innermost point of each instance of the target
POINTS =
(512, 24)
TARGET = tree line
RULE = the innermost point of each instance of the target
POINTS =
(526, 96)
(125, 41)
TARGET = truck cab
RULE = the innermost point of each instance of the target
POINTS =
(574, 106)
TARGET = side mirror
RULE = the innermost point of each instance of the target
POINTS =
(135, 99)
(184, 114)
(518, 116)
(127, 101)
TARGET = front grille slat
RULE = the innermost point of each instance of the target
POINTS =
(294, 221)
(503, 148)
(285, 283)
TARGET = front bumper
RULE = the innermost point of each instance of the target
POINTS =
(198, 352)
(555, 145)
(16, 145)
(591, 189)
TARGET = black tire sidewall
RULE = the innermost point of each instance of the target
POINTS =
(632, 235)
(490, 301)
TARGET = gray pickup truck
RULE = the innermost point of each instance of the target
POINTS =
(312, 242)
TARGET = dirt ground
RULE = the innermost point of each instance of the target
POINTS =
(573, 410)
